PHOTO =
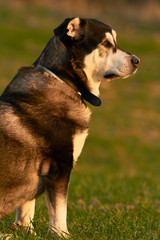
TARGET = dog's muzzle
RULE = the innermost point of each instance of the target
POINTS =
(134, 62)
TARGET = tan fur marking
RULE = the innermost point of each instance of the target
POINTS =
(92, 71)
(78, 143)
(25, 215)
(58, 214)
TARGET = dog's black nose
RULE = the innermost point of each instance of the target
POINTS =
(135, 61)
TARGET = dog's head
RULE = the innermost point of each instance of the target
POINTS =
(89, 48)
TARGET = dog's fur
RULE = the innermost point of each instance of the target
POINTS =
(44, 120)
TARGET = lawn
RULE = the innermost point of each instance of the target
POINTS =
(114, 191)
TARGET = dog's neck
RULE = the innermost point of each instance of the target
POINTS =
(70, 80)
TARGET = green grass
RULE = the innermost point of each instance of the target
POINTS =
(115, 187)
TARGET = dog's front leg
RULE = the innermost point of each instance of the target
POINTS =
(56, 196)
(25, 215)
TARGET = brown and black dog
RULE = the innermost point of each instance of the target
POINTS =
(44, 118)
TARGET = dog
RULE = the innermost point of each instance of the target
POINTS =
(44, 117)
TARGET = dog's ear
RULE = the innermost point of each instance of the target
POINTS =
(72, 27)
(60, 30)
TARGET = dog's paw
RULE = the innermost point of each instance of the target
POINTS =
(63, 234)
(13, 226)
(30, 229)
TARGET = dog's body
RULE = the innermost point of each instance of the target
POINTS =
(44, 120)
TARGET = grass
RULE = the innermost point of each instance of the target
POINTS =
(115, 187)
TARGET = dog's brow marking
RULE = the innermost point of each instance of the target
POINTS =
(110, 37)
(114, 35)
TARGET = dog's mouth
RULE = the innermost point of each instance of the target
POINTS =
(111, 76)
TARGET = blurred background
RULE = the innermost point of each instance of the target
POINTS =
(122, 151)
(26, 26)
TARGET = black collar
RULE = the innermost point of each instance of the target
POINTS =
(91, 98)
(86, 94)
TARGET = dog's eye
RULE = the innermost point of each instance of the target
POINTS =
(107, 43)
